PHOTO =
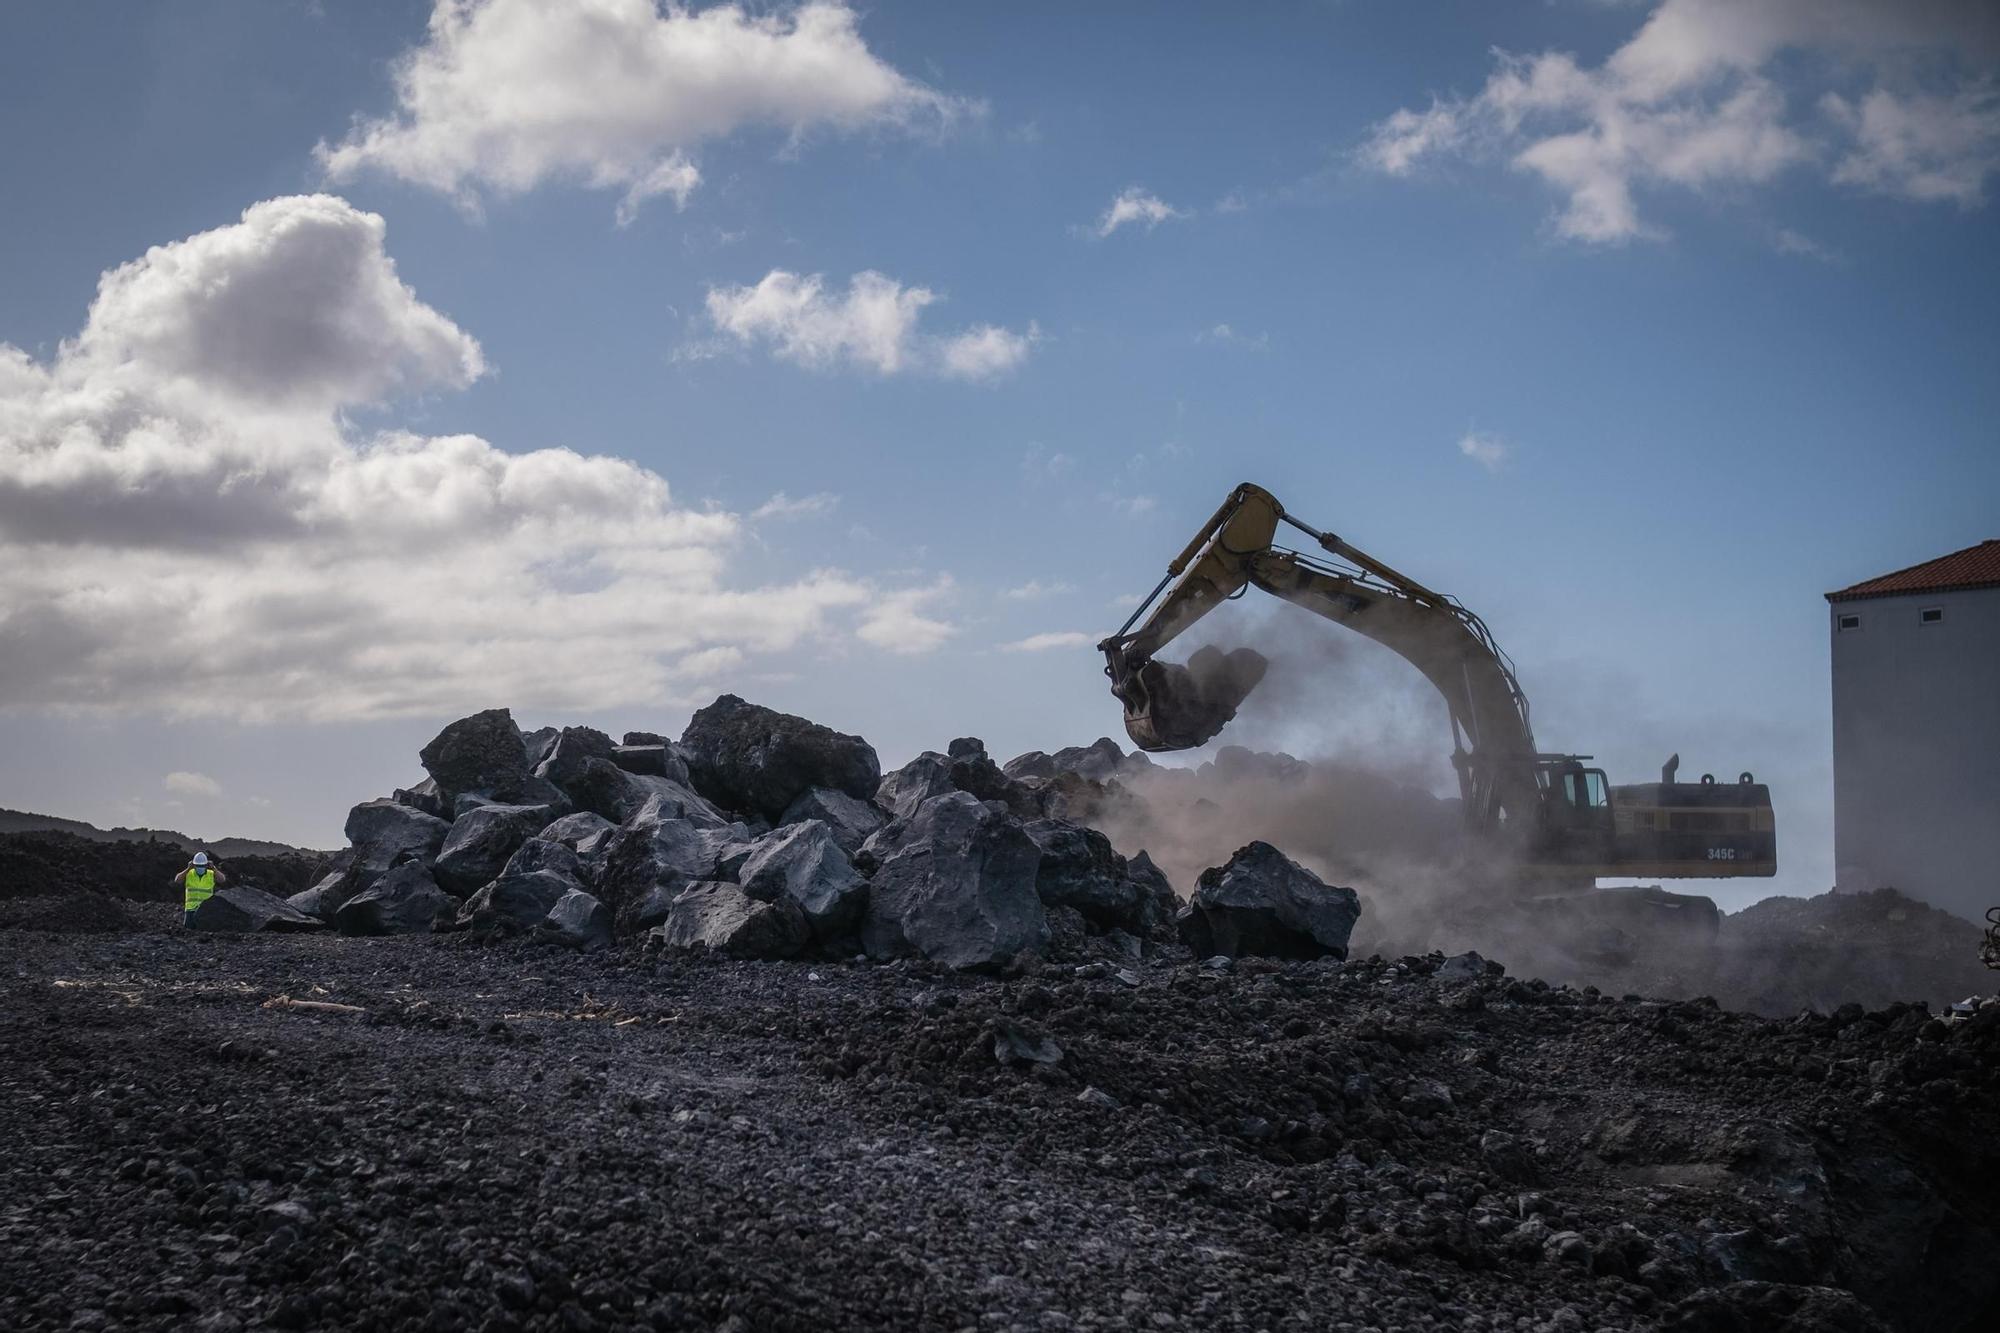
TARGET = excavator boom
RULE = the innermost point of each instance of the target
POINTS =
(1548, 806)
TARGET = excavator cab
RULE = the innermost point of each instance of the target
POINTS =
(1577, 821)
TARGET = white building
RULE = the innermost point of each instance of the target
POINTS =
(1916, 731)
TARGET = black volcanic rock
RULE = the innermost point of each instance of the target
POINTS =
(756, 760)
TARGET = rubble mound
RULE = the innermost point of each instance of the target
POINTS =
(79, 912)
(783, 840)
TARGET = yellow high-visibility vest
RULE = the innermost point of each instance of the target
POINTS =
(199, 885)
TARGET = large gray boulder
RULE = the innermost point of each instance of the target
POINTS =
(973, 770)
(1099, 761)
(383, 833)
(239, 909)
(484, 755)
(563, 761)
(406, 901)
(579, 921)
(544, 854)
(652, 761)
(606, 790)
(756, 760)
(900, 793)
(959, 889)
(583, 833)
(850, 819)
(1264, 903)
(649, 860)
(1079, 869)
(481, 841)
(515, 902)
(720, 917)
(1158, 903)
(312, 902)
(804, 863)
(536, 744)
(425, 797)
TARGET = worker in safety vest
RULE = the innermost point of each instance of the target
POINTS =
(197, 883)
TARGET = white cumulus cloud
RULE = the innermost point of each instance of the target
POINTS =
(1695, 100)
(1139, 207)
(1042, 643)
(903, 622)
(1034, 590)
(188, 526)
(872, 325)
(507, 94)
(184, 783)
(782, 505)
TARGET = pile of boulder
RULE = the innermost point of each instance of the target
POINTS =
(763, 835)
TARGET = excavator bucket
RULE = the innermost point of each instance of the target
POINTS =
(1179, 707)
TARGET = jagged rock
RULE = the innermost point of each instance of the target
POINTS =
(467, 802)
(652, 761)
(239, 909)
(536, 744)
(606, 790)
(756, 760)
(972, 770)
(1264, 903)
(1016, 1043)
(383, 833)
(424, 796)
(1468, 966)
(903, 791)
(960, 889)
(1096, 762)
(484, 755)
(579, 921)
(515, 902)
(480, 843)
(403, 902)
(654, 856)
(1079, 869)
(720, 916)
(565, 757)
(584, 833)
(852, 821)
(644, 738)
(1157, 900)
(312, 902)
(803, 862)
(545, 854)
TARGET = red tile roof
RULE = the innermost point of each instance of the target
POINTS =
(1974, 567)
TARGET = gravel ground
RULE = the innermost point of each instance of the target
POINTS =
(513, 1137)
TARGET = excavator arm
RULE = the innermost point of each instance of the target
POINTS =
(1172, 707)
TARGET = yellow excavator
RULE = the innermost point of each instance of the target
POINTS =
(1542, 823)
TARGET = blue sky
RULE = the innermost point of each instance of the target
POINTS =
(1639, 329)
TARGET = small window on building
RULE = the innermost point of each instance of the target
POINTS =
(1930, 615)
(1848, 622)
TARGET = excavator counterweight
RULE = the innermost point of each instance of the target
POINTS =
(1557, 820)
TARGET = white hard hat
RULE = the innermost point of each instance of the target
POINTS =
(201, 858)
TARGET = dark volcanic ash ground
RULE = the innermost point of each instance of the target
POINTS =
(971, 1076)
(519, 1136)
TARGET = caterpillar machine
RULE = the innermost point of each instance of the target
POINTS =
(1539, 825)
